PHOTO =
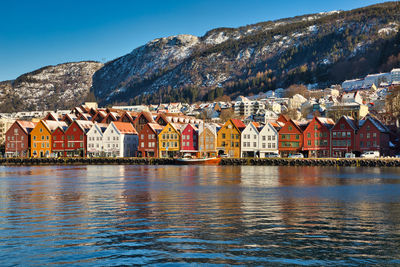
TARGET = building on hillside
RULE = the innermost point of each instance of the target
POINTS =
(148, 140)
(95, 146)
(18, 139)
(355, 84)
(76, 138)
(208, 140)
(351, 105)
(120, 139)
(291, 138)
(169, 140)
(317, 137)
(229, 138)
(376, 79)
(190, 140)
(41, 141)
(372, 135)
(5, 124)
(343, 137)
(395, 76)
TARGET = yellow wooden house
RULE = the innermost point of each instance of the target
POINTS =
(208, 140)
(41, 143)
(228, 138)
(169, 141)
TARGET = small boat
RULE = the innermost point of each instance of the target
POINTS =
(200, 161)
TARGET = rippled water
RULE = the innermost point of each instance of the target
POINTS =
(124, 215)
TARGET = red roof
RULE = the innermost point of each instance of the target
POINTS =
(238, 123)
(125, 127)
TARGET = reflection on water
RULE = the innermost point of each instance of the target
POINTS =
(116, 215)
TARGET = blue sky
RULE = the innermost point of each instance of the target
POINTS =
(37, 33)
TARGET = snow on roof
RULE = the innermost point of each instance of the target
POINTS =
(84, 125)
(27, 125)
(52, 125)
(350, 121)
(156, 127)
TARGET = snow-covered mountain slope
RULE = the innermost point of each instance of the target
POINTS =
(50, 87)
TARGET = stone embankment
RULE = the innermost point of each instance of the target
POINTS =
(225, 161)
(359, 162)
(86, 161)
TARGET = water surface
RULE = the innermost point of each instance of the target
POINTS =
(124, 215)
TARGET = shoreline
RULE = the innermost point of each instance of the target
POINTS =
(338, 162)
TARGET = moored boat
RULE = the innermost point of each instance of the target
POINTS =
(200, 161)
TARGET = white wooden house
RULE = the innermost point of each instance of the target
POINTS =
(120, 139)
(268, 140)
(250, 140)
(95, 140)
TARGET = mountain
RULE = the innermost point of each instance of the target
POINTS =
(323, 49)
(319, 48)
(51, 87)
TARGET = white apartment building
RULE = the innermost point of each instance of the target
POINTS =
(246, 107)
(395, 75)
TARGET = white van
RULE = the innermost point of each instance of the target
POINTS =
(370, 154)
(272, 155)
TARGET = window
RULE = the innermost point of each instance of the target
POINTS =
(81, 144)
(290, 128)
(361, 135)
(142, 144)
(244, 144)
(343, 134)
(348, 134)
(374, 135)
(308, 135)
(349, 142)
(334, 134)
(375, 143)
(368, 135)
(315, 127)
(237, 144)
(42, 137)
(297, 137)
(34, 145)
(254, 137)
(309, 142)
(254, 144)
(55, 138)
(74, 129)
(361, 144)
(263, 138)
(263, 145)
(41, 130)
(342, 126)
(223, 136)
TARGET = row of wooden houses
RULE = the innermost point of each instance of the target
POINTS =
(126, 134)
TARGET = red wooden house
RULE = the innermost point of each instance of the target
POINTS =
(317, 137)
(76, 138)
(58, 141)
(373, 136)
(18, 140)
(343, 136)
(291, 138)
(148, 140)
(190, 139)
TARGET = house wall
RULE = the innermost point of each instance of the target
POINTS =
(342, 138)
(208, 143)
(75, 141)
(268, 140)
(41, 141)
(169, 142)
(229, 140)
(189, 139)
(95, 142)
(17, 141)
(317, 139)
(290, 139)
(58, 143)
(148, 143)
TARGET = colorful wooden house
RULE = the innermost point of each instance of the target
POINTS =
(120, 139)
(373, 135)
(76, 138)
(291, 138)
(95, 140)
(208, 140)
(18, 139)
(41, 141)
(317, 137)
(229, 138)
(343, 136)
(58, 141)
(169, 140)
(148, 140)
(190, 139)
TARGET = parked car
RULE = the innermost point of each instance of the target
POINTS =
(272, 155)
(370, 154)
(350, 155)
(296, 156)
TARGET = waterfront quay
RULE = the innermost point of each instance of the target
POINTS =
(339, 162)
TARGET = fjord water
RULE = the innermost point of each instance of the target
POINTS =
(123, 215)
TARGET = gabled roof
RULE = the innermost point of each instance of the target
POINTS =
(84, 125)
(148, 116)
(27, 126)
(124, 127)
(327, 122)
(377, 123)
(157, 128)
(351, 122)
(238, 124)
(53, 125)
